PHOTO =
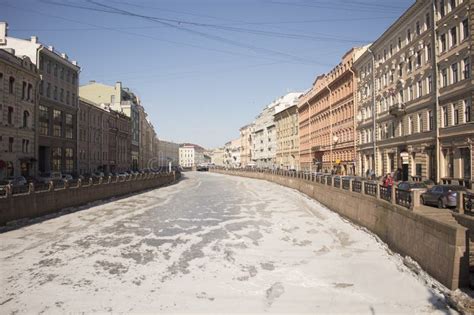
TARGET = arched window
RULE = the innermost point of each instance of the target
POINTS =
(30, 92)
(26, 116)
(11, 86)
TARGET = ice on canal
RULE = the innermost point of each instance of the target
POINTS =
(211, 243)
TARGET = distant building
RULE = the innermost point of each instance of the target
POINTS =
(58, 103)
(217, 157)
(120, 99)
(18, 102)
(190, 155)
(287, 151)
(168, 152)
(120, 140)
(232, 153)
(264, 131)
(246, 145)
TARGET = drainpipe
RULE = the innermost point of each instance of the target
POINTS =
(434, 45)
(330, 121)
(374, 113)
(354, 110)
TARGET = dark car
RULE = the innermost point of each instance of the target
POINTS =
(442, 195)
(409, 186)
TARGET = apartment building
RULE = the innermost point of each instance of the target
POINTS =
(232, 153)
(120, 99)
(326, 119)
(58, 103)
(287, 152)
(454, 37)
(19, 81)
(93, 139)
(246, 145)
(120, 141)
(190, 155)
(168, 151)
(414, 95)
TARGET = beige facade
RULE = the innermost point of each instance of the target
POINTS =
(232, 153)
(120, 141)
(19, 81)
(246, 145)
(217, 157)
(168, 151)
(120, 99)
(287, 154)
(57, 111)
(147, 143)
(418, 96)
(93, 139)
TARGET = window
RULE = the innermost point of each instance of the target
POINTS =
(467, 112)
(410, 92)
(48, 67)
(467, 68)
(48, 90)
(41, 87)
(420, 123)
(427, 20)
(10, 144)
(10, 115)
(418, 58)
(410, 125)
(430, 120)
(452, 4)
(43, 120)
(454, 71)
(454, 36)
(61, 73)
(445, 116)
(26, 115)
(57, 123)
(465, 29)
(25, 145)
(69, 154)
(30, 92)
(55, 72)
(443, 42)
(11, 85)
(419, 88)
(429, 81)
(408, 35)
(444, 77)
(442, 10)
(69, 126)
(455, 115)
(418, 28)
(23, 90)
(410, 64)
(67, 97)
(399, 43)
(400, 70)
(55, 93)
(61, 95)
(57, 157)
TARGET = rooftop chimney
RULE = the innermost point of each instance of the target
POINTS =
(3, 32)
(51, 48)
(34, 39)
(64, 56)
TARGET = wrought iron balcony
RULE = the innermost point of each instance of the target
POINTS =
(397, 110)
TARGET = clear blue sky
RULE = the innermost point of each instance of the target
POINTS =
(203, 68)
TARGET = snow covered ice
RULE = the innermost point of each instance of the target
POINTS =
(210, 244)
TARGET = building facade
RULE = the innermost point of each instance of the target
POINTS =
(120, 141)
(93, 139)
(414, 111)
(190, 155)
(246, 145)
(168, 152)
(264, 131)
(58, 103)
(120, 99)
(327, 124)
(217, 157)
(147, 140)
(232, 153)
(19, 82)
(287, 154)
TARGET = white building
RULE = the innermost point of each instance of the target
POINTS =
(232, 153)
(264, 134)
(190, 155)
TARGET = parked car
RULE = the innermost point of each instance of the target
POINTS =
(409, 186)
(17, 181)
(98, 175)
(67, 177)
(442, 195)
(47, 177)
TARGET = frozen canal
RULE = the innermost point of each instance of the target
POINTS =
(211, 243)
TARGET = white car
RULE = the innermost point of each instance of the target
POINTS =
(47, 177)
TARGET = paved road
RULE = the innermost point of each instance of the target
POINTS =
(211, 243)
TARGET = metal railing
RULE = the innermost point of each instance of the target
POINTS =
(346, 183)
(329, 180)
(40, 187)
(468, 203)
(357, 186)
(23, 189)
(403, 197)
(386, 193)
(370, 189)
(337, 182)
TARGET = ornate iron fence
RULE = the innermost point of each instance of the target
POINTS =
(329, 180)
(39, 187)
(468, 201)
(337, 182)
(370, 189)
(23, 189)
(386, 193)
(403, 197)
(357, 186)
(345, 183)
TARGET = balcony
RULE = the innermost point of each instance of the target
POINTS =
(397, 110)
